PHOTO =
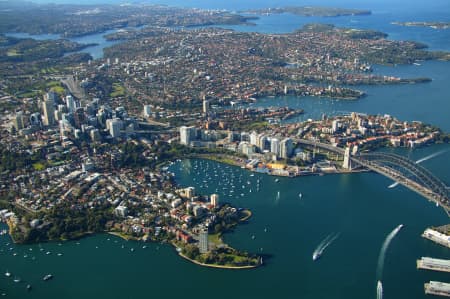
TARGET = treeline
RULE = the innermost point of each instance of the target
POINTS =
(64, 222)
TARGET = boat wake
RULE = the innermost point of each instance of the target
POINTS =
(384, 248)
(324, 244)
(395, 184)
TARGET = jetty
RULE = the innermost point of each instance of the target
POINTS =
(429, 263)
(437, 288)
(437, 237)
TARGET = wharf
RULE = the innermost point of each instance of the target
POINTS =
(437, 288)
(433, 264)
(437, 237)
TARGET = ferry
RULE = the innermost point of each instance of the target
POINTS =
(47, 277)
(316, 255)
(379, 290)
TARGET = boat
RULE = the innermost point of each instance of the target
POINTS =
(300, 195)
(277, 180)
(7, 273)
(16, 279)
(316, 255)
(47, 277)
(29, 287)
(379, 290)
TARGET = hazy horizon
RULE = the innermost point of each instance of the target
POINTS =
(236, 4)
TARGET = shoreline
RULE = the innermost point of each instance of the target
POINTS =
(230, 160)
(217, 266)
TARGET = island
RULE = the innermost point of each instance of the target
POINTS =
(433, 25)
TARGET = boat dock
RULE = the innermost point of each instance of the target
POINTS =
(437, 288)
(437, 237)
(429, 263)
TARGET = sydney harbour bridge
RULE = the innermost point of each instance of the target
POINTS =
(398, 168)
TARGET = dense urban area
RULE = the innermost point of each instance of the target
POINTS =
(86, 143)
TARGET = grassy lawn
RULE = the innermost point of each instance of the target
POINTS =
(12, 53)
(38, 166)
(215, 239)
(56, 87)
(118, 90)
(29, 94)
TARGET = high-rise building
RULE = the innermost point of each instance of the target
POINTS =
(70, 103)
(347, 162)
(262, 142)
(51, 96)
(246, 148)
(79, 117)
(189, 192)
(187, 134)
(275, 146)
(335, 126)
(254, 138)
(203, 241)
(147, 110)
(115, 125)
(49, 112)
(95, 135)
(205, 106)
(286, 148)
(18, 121)
(215, 200)
(35, 119)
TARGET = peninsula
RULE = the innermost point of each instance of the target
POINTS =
(433, 25)
(312, 11)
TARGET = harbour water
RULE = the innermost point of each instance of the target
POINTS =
(359, 206)
(284, 225)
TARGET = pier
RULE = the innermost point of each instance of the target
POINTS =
(437, 288)
(437, 237)
(429, 263)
